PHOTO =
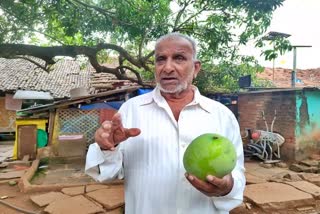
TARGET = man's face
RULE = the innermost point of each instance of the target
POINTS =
(174, 65)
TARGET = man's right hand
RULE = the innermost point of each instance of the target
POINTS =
(111, 133)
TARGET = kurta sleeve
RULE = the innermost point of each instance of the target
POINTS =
(235, 197)
(104, 165)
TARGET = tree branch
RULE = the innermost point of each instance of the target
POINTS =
(121, 51)
(148, 56)
(103, 69)
(141, 43)
(191, 17)
(99, 9)
(185, 5)
(31, 28)
(121, 60)
(48, 53)
(131, 5)
(102, 11)
(138, 80)
(32, 61)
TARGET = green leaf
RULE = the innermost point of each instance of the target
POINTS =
(219, 26)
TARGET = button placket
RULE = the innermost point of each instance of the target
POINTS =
(181, 180)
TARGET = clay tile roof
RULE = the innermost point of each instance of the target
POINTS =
(65, 74)
(20, 74)
(101, 82)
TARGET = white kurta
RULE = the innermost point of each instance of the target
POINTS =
(151, 163)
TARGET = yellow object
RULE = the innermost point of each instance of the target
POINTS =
(55, 133)
(283, 62)
(40, 123)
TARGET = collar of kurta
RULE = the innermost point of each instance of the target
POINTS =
(156, 97)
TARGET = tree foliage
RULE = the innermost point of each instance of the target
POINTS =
(126, 29)
(279, 45)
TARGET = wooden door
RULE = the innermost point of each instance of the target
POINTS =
(27, 141)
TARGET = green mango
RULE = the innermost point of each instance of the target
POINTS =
(210, 154)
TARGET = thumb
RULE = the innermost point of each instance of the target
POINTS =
(132, 132)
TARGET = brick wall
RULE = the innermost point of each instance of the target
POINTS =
(250, 106)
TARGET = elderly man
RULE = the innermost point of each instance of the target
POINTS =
(145, 141)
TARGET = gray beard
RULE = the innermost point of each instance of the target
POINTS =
(179, 88)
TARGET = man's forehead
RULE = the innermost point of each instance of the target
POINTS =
(179, 45)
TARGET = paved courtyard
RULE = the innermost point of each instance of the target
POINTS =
(270, 189)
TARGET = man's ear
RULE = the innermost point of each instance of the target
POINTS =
(197, 68)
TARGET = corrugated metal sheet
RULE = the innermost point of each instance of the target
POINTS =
(35, 95)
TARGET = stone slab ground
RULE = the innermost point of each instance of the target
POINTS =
(307, 187)
(278, 190)
(277, 196)
(289, 195)
(47, 198)
(77, 204)
(60, 203)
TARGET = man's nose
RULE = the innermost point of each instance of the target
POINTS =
(168, 67)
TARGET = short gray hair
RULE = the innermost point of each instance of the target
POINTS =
(176, 35)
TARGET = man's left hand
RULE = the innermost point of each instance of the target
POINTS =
(213, 186)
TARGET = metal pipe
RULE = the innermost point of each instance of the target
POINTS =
(294, 71)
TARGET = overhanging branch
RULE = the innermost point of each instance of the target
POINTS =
(49, 53)
(32, 61)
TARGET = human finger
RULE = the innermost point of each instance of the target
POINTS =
(104, 131)
(116, 119)
(224, 184)
(132, 132)
(221, 183)
(106, 125)
(202, 186)
(103, 140)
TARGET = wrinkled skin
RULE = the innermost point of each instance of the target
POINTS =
(213, 186)
(175, 69)
(111, 133)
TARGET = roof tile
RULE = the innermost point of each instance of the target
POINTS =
(65, 74)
